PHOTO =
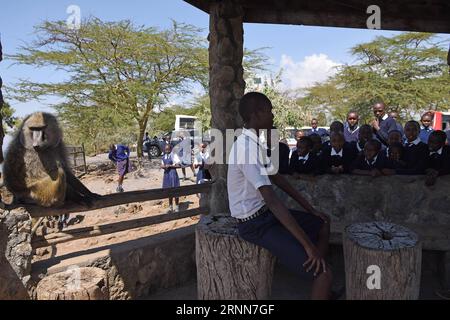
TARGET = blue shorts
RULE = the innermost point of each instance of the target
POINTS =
(268, 232)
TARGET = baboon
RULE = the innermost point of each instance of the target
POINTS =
(36, 169)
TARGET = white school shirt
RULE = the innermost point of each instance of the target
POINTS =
(175, 158)
(246, 174)
(201, 156)
(334, 153)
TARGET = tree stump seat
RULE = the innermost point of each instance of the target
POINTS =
(228, 267)
(74, 284)
(382, 262)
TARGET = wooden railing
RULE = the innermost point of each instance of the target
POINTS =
(115, 200)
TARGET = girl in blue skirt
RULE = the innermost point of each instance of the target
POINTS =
(170, 162)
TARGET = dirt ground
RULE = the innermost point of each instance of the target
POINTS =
(102, 179)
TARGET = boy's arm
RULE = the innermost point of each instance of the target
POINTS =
(284, 185)
(288, 221)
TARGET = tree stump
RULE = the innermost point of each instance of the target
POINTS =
(228, 267)
(74, 284)
(382, 262)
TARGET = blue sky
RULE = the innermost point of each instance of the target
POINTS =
(307, 53)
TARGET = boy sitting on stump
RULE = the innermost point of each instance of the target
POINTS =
(298, 239)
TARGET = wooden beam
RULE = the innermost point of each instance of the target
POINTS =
(92, 231)
(116, 199)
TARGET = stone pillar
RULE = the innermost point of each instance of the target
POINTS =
(226, 87)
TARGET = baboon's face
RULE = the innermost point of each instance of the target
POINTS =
(40, 132)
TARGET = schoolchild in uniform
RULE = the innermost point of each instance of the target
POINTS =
(201, 163)
(395, 156)
(426, 129)
(169, 163)
(338, 157)
(371, 162)
(304, 161)
(438, 161)
(351, 127)
(394, 136)
(335, 127)
(365, 134)
(298, 239)
(416, 152)
(317, 144)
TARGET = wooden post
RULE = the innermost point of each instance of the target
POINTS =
(382, 262)
(74, 284)
(228, 267)
(84, 158)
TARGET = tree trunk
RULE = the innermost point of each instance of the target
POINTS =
(74, 284)
(382, 262)
(226, 84)
(228, 267)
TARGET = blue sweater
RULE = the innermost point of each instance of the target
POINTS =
(121, 153)
(386, 126)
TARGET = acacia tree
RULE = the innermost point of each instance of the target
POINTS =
(126, 71)
(407, 71)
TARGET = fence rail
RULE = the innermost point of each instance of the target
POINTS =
(116, 199)
(100, 230)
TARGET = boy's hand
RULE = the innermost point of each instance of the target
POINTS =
(376, 124)
(315, 260)
(375, 173)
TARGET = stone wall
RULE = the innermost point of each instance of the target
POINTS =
(400, 199)
(138, 268)
(15, 254)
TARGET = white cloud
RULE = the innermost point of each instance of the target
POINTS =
(302, 74)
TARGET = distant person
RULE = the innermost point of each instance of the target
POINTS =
(427, 126)
(299, 134)
(120, 155)
(438, 162)
(315, 130)
(303, 160)
(383, 123)
(351, 127)
(335, 127)
(185, 154)
(317, 144)
(201, 163)
(394, 137)
(447, 132)
(395, 156)
(170, 163)
(394, 115)
(371, 162)
(416, 152)
(285, 154)
(365, 133)
(338, 157)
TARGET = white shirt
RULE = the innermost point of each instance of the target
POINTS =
(385, 116)
(415, 142)
(373, 161)
(439, 152)
(201, 156)
(246, 174)
(175, 158)
(305, 158)
(334, 153)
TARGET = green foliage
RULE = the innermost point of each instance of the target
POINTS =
(116, 71)
(408, 72)
(9, 122)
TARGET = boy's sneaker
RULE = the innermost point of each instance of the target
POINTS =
(119, 189)
(170, 209)
(177, 209)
